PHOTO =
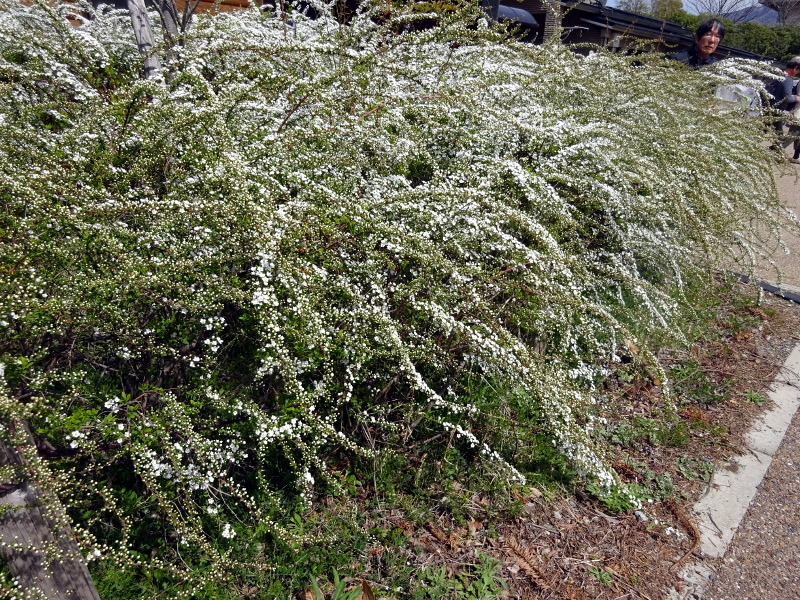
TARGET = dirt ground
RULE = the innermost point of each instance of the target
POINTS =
(576, 548)
(578, 551)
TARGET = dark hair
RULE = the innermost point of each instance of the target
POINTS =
(709, 25)
(794, 63)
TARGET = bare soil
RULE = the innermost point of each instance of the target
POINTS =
(573, 547)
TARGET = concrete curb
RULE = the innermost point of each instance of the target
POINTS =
(732, 489)
(785, 291)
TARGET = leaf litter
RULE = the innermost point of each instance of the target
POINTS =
(570, 547)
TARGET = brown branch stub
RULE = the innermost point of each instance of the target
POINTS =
(691, 528)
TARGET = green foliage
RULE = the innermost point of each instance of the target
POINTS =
(692, 384)
(641, 7)
(667, 10)
(695, 468)
(340, 591)
(620, 499)
(327, 260)
(602, 576)
(653, 431)
(477, 582)
(780, 42)
(689, 21)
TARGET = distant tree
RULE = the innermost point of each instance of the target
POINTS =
(689, 21)
(736, 10)
(668, 10)
(788, 10)
(753, 37)
(665, 9)
(640, 7)
(781, 42)
(787, 39)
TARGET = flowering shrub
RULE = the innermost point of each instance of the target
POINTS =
(316, 241)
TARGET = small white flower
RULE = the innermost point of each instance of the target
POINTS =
(227, 531)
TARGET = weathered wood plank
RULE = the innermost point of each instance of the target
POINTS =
(41, 554)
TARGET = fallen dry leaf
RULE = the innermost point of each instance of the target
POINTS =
(366, 591)
(307, 594)
(758, 312)
(435, 532)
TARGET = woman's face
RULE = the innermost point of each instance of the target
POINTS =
(708, 42)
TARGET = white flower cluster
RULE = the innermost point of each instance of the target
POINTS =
(228, 531)
(485, 450)
(318, 240)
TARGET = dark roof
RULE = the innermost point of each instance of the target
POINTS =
(643, 26)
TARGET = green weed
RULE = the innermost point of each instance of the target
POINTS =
(480, 581)
(695, 468)
(692, 384)
(619, 499)
(655, 432)
(603, 576)
(339, 592)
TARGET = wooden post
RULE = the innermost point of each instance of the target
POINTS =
(40, 553)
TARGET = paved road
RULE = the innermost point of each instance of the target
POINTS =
(763, 560)
(789, 191)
